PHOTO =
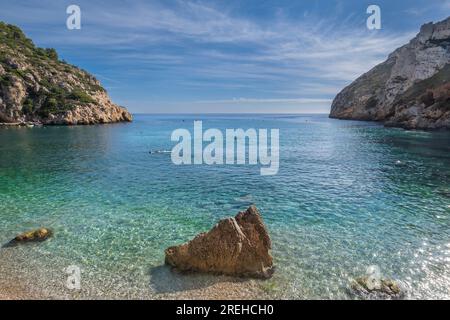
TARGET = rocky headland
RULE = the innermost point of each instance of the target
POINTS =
(411, 89)
(37, 87)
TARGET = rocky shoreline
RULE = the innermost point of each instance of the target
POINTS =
(411, 89)
(36, 87)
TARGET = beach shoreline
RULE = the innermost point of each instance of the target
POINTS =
(27, 282)
(220, 291)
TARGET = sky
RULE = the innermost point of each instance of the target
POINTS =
(250, 56)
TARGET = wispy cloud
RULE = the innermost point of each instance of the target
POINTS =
(242, 101)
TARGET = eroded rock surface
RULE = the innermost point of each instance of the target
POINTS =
(35, 86)
(238, 246)
(411, 89)
(384, 288)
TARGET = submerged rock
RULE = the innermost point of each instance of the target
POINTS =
(381, 288)
(237, 246)
(37, 235)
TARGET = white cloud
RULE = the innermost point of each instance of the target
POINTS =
(241, 101)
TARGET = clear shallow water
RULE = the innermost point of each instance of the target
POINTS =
(348, 195)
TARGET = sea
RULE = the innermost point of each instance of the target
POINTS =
(348, 196)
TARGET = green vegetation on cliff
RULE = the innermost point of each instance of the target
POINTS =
(35, 83)
(432, 91)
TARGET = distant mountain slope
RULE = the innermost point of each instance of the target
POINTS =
(410, 90)
(36, 86)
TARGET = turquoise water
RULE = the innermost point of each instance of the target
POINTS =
(348, 195)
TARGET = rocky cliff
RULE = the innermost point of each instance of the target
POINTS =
(36, 86)
(411, 89)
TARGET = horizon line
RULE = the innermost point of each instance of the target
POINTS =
(231, 113)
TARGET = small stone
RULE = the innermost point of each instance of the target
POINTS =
(37, 235)
(383, 288)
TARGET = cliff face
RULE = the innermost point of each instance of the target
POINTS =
(36, 86)
(411, 89)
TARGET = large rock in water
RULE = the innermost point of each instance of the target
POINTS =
(237, 246)
(35, 86)
(410, 90)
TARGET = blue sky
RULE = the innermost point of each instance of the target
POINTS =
(223, 56)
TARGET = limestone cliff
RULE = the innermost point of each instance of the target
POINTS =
(36, 86)
(411, 89)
